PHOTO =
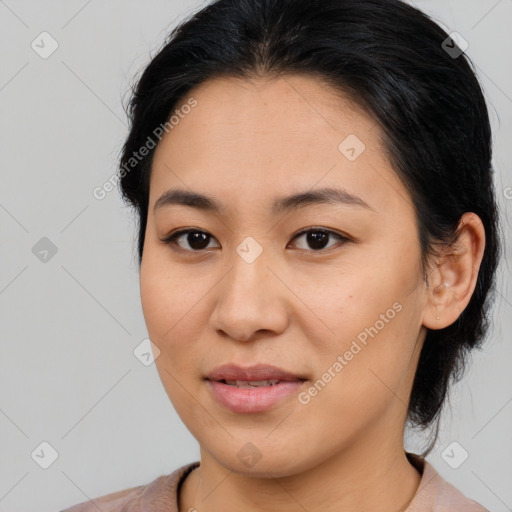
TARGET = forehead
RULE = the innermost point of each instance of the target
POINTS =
(264, 137)
(290, 104)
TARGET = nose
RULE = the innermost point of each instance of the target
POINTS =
(251, 300)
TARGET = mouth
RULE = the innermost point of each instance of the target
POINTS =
(253, 396)
(248, 384)
(261, 374)
(251, 389)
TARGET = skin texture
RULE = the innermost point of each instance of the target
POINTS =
(246, 143)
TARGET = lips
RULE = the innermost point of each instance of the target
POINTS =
(251, 376)
(253, 399)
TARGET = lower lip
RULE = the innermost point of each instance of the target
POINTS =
(255, 399)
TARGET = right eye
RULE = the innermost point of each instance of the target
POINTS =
(196, 239)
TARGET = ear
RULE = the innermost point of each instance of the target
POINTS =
(455, 273)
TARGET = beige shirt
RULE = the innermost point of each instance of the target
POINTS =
(434, 494)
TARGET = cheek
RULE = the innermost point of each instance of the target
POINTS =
(175, 307)
(347, 300)
(172, 318)
(372, 313)
(168, 296)
(163, 306)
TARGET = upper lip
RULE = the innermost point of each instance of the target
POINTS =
(255, 372)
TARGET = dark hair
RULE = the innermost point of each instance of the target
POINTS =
(400, 66)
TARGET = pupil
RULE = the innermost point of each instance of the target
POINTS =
(316, 239)
(195, 237)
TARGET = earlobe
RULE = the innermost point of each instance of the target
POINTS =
(455, 274)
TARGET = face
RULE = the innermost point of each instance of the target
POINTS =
(329, 290)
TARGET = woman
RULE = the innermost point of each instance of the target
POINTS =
(318, 241)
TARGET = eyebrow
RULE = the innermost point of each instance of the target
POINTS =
(204, 202)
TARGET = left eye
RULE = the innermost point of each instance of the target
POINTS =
(317, 238)
(198, 240)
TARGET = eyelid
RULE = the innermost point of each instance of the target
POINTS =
(342, 239)
(323, 229)
(170, 239)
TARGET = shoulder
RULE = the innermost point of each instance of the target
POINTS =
(451, 499)
(120, 500)
(435, 494)
(159, 495)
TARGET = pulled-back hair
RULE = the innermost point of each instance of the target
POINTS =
(400, 66)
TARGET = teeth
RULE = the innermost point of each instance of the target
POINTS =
(251, 383)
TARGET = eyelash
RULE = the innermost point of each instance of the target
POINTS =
(171, 239)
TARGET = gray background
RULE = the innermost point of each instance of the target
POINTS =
(69, 325)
